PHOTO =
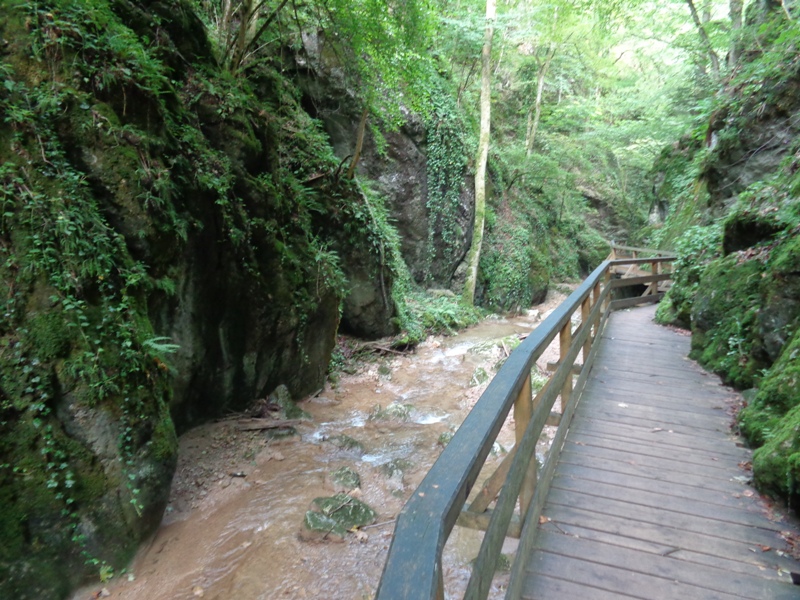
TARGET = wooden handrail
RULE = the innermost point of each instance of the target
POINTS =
(414, 565)
(635, 252)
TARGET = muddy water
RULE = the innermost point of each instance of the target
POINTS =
(238, 499)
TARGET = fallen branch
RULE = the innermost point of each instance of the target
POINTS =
(378, 524)
(260, 424)
(378, 347)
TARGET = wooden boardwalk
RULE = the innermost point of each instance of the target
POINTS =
(647, 499)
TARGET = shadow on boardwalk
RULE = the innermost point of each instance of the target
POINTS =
(648, 499)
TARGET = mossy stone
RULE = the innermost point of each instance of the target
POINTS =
(342, 510)
(345, 479)
(395, 411)
(289, 409)
(345, 442)
(318, 523)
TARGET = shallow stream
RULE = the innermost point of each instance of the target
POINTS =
(232, 528)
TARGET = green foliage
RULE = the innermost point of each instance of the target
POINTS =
(724, 316)
(428, 314)
(447, 154)
(514, 268)
(695, 249)
(771, 423)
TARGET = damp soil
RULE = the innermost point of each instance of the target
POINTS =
(233, 525)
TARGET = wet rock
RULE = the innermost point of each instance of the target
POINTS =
(396, 469)
(344, 479)
(479, 377)
(345, 442)
(445, 438)
(289, 410)
(393, 412)
(334, 516)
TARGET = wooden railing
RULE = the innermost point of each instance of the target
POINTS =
(511, 500)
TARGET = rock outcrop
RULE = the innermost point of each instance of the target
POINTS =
(169, 253)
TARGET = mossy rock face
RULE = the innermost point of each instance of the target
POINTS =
(514, 268)
(776, 464)
(138, 208)
(337, 515)
(777, 396)
(724, 314)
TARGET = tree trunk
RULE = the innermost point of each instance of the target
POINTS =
(533, 124)
(362, 128)
(735, 9)
(474, 255)
(705, 40)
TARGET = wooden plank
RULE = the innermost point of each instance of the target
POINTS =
(551, 588)
(619, 580)
(662, 516)
(674, 438)
(701, 398)
(676, 571)
(732, 497)
(661, 440)
(664, 503)
(667, 541)
(602, 394)
(657, 468)
(636, 452)
(703, 465)
(711, 538)
(651, 416)
(669, 377)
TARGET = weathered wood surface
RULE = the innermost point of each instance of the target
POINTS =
(648, 500)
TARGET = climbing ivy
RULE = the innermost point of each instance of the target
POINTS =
(448, 147)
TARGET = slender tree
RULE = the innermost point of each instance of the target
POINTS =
(735, 9)
(535, 112)
(705, 40)
(474, 255)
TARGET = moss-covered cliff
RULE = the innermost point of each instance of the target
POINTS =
(734, 217)
(173, 241)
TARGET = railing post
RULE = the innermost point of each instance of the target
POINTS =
(654, 271)
(606, 283)
(523, 410)
(565, 339)
(586, 308)
(595, 299)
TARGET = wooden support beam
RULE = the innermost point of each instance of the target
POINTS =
(628, 302)
(552, 367)
(492, 486)
(480, 521)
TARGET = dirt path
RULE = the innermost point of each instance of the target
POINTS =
(238, 498)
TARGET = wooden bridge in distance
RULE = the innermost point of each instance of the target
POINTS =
(643, 492)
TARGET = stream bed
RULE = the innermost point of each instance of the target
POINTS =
(233, 527)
